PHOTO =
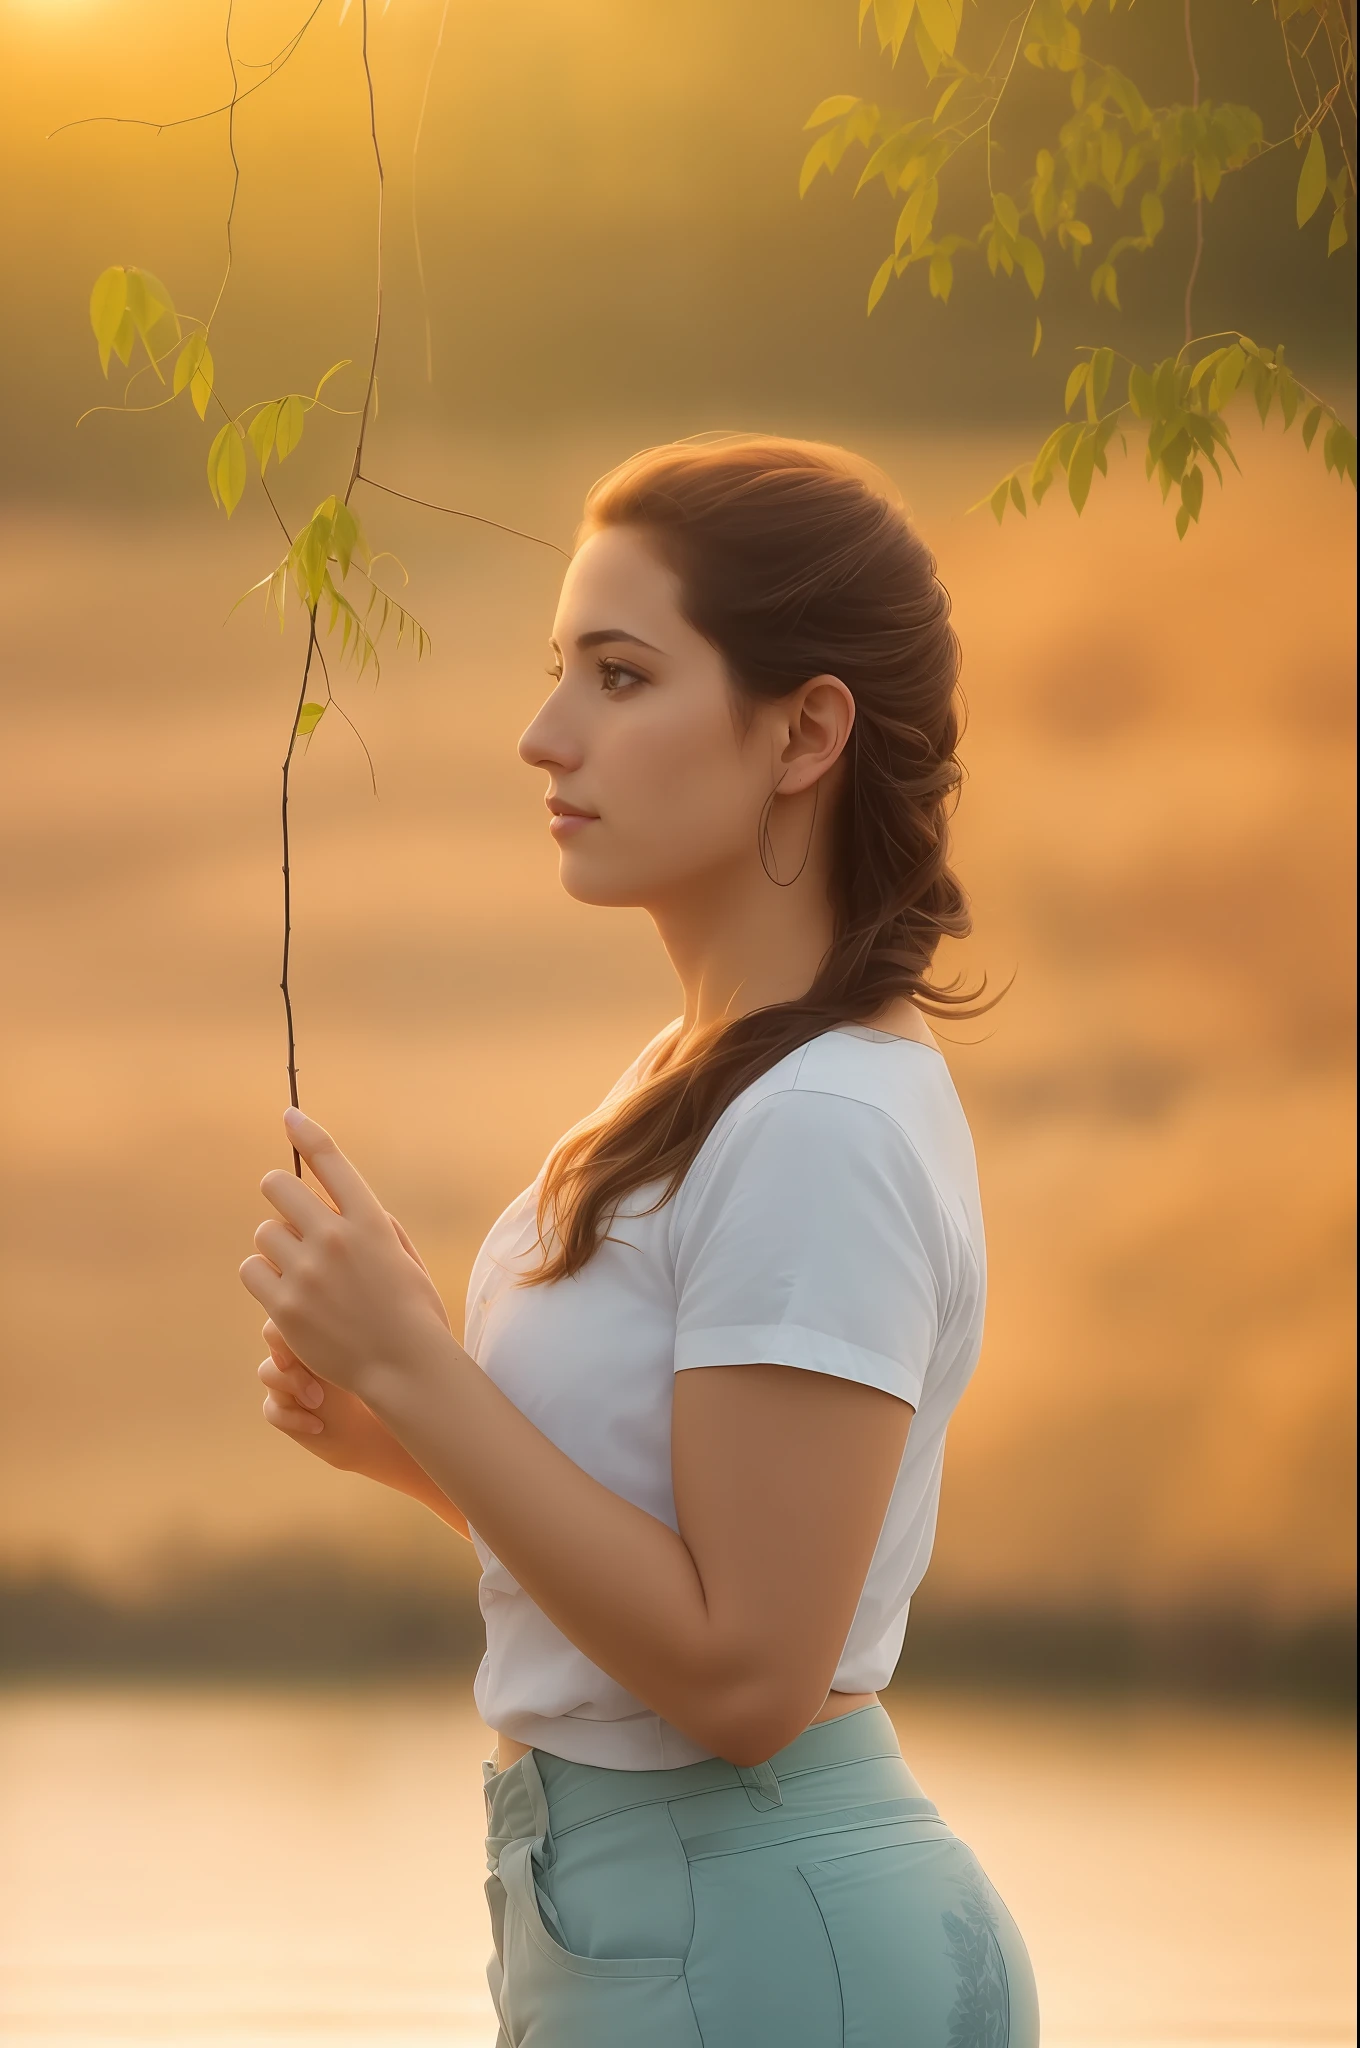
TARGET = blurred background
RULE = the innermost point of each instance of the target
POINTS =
(240, 1790)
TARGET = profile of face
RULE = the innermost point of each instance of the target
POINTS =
(659, 773)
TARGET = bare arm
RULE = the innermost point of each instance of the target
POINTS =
(337, 1427)
(730, 1627)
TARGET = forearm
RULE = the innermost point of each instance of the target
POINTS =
(618, 1582)
(390, 1463)
(417, 1484)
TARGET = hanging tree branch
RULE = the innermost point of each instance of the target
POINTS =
(1115, 146)
(130, 307)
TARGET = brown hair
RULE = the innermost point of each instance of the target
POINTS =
(794, 559)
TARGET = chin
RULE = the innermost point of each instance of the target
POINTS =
(606, 891)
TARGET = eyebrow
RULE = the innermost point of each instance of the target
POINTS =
(603, 633)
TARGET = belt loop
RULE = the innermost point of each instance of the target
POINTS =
(762, 1786)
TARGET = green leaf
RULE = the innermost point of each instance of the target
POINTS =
(1205, 365)
(108, 302)
(998, 499)
(1102, 364)
(1142, 393)
(1030, 258)
(1045, 462)
(287, 434)
(1337, 235)
(1007, 212)
(333, 371)
(227, 468)
(347, 538)
(940, 22)
(1311, 425)
(1338, 450)
(880, 283)
(1081, 469)
(821, 156)
(1182, 522)
(941, 277)
(194, 367)
(1289, 397)
(891, 19)
(917, 217)
(311, 552)
(1076, 384)
(309, 718)
(1018, 497)
(263, 429)
(1152, 214)
(201, 383)
(1227, 377)
(153, 314)
(158, 301)
(926, 48)
(1192, 491)
(124, 338)
(832, 109)
(1312, 180)
(1038, 335)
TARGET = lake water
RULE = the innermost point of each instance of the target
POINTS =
(212, 1867)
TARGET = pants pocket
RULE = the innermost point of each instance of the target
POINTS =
(550, 1997)
(926, 1953)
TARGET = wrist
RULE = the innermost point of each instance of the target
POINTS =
(391, 1386)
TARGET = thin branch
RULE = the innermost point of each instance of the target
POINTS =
(453, 513)
(415, 210)
(378, 290)
(235, 168)
(1199, 190)
(275, 65)
(331, 698)
(288, 880)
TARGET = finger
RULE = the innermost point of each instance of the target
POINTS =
(279, 1347)
(259, 1278)
(300, 1206)
(342, 1181)
(278, 1243)
(292, 1421)
(295, 1381)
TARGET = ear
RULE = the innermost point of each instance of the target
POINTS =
(821, 715)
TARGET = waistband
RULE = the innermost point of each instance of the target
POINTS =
(518, 1799)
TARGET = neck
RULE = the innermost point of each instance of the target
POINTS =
(738, 942)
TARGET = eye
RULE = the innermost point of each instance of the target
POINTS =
(615, 675)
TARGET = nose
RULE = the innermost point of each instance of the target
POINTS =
(545, 741)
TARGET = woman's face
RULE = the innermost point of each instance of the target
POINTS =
(642, 733)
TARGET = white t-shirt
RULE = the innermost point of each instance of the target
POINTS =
(831, 1221)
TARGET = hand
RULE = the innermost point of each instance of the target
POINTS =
(343, 1285)
(331, 1423)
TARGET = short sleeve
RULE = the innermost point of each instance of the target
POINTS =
(816, 1240)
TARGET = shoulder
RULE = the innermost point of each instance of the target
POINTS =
(843, 1118)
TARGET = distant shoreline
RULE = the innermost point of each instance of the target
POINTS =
(321, 1619)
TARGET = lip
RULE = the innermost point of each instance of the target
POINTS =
(566, 818)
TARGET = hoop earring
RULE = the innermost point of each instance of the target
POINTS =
(763, 835)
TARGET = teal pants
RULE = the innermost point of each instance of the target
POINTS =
(814, 1901)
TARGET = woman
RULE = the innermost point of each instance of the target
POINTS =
(696, 1432)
